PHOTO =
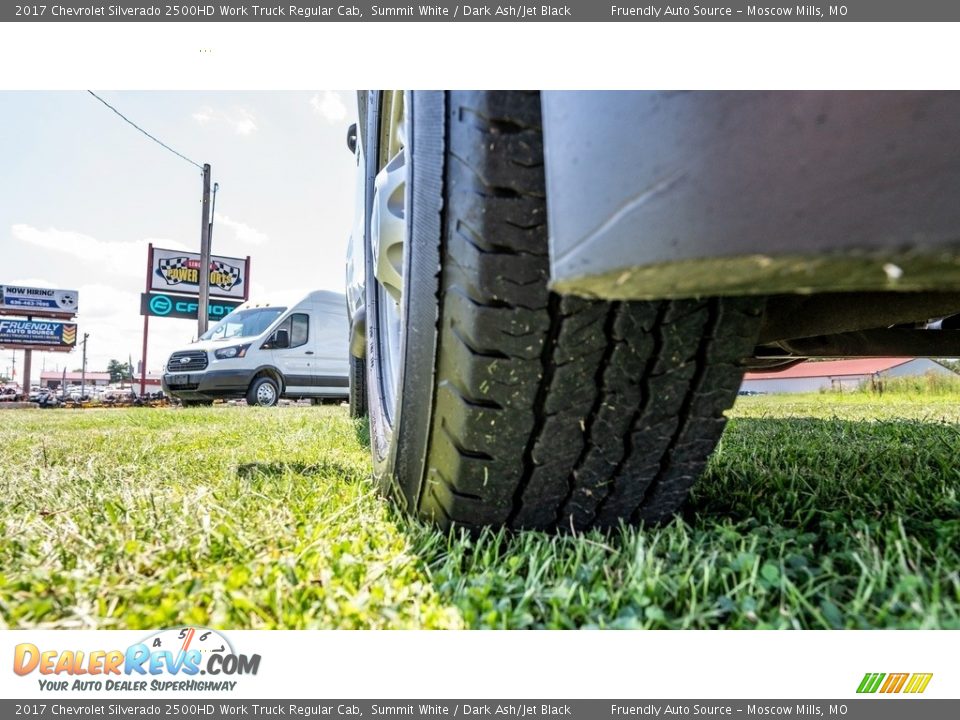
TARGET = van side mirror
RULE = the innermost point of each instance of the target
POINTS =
(281, 338)
(352, 138)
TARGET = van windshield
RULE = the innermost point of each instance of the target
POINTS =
(243, 323)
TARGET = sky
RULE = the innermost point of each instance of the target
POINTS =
(82, 194)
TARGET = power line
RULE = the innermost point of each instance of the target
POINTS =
(132, 123)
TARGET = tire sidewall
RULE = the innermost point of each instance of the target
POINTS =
(399, 435)
(252, 393)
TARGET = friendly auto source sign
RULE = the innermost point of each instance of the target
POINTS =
(38, 335)
(179, 272)
(19, 300)
(163, 305)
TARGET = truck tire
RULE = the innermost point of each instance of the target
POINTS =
(358, 388)
(263, 392)
(515, 406)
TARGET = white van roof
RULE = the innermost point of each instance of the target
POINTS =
(289, 300)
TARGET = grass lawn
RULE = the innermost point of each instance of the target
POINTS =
(814, 513)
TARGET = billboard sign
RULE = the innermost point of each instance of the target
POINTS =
(178, 306)
(46, 335)
(20, 300)
(179, 272)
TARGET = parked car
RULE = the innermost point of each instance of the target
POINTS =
(48, 398)
(553, 297)
(263, 351)
(85, 392)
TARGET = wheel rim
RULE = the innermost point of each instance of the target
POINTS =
(388, 230)
(266, 395)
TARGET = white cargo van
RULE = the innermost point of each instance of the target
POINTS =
(264, 351)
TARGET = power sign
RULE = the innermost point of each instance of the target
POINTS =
(179, 272)
(163, 305)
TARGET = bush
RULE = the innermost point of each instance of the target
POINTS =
(930, 383)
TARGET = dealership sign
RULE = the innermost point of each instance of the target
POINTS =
(20, 300)
(179, 272)
(178, 306)
(37, 335)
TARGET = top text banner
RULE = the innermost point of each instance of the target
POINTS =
(508, 11)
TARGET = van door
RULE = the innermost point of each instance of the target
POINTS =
(332, 333)
(298, 361)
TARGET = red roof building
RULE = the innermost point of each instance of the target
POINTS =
(837, 374)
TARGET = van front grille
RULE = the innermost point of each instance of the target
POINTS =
(187, 361)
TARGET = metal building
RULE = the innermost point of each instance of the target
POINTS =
(837, 374)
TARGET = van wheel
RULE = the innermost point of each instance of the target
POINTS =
(263, 392)
(494, 401)
(358, 388)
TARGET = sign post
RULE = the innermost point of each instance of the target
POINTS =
(27, 369)
(146, 326)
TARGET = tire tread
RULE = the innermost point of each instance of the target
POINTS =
(558, 412)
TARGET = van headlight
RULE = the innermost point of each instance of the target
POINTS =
(235, 351)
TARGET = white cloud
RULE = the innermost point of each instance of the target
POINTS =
(105, 301)
(240, 120)
(32, 282)
(126, 259)
(329, 105)
(243, 122)
(241, 231)
(203, 115)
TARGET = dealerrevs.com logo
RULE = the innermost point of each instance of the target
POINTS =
(168, 660)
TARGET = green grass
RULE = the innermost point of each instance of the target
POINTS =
(816, 512)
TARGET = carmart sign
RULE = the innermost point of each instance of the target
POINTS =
(163, 305)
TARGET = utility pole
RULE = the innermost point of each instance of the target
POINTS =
(213, 212)
(204, 301)
(83, 368)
